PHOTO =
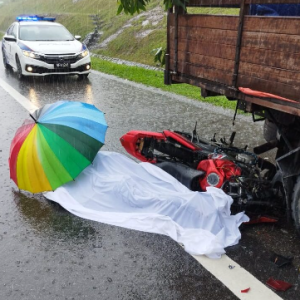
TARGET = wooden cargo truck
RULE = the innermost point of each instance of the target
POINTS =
(254, 60)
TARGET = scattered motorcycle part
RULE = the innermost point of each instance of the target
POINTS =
(262, 219)
(245, 290)
(278, 285)
(280, 260)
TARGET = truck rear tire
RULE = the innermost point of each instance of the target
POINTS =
(280, 196)
(296, 205)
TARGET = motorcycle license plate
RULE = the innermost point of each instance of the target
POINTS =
(62, 65)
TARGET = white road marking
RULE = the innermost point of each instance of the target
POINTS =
(18, 97)
(235, 279)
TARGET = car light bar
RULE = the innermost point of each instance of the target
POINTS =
(34, 18)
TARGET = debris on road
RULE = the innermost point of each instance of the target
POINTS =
(280, 260)
(262, 219)
(278, 285)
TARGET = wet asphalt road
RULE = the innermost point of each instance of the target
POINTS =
(49, 254)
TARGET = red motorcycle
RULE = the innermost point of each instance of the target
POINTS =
(198, 163)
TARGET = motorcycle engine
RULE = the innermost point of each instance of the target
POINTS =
(245, 158)
(213, 179)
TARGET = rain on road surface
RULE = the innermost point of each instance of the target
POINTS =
(49, 254)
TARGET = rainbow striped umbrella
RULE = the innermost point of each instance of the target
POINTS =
(62, 139)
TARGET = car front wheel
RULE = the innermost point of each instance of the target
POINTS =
(19, 68)
(6, 65)
(82, 76)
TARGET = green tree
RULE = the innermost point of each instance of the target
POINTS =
(136, 6)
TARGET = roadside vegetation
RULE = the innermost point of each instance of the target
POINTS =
(155, 79)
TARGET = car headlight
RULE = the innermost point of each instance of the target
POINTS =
(84, 53)
(31, 54)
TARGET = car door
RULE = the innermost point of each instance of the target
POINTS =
(7, 46)
(14, 45)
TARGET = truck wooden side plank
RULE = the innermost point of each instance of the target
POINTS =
(222, 54)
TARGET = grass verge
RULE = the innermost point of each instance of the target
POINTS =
(156, 79)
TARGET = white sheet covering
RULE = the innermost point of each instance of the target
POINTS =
(116, 190)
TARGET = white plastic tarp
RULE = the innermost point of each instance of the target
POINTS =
(118, 191)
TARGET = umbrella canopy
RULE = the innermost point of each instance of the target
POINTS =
(59, 142)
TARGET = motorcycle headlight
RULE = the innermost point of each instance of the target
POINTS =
(31, 54)
(84, 53)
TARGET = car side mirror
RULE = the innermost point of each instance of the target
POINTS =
(78, 37)
(10, 38)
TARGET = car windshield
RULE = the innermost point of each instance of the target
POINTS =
(45, 33)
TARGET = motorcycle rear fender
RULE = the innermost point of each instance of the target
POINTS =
(130, 142)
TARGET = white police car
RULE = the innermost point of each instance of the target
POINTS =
(37, 46)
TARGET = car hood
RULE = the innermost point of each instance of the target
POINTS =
(53, 47)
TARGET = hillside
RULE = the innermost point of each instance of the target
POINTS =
(123, 36)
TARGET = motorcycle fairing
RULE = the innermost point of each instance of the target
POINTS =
(133, 142)
(140, 144)
(217, 171)
(181, 140)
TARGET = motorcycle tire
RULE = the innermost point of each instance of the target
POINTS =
(296, 205)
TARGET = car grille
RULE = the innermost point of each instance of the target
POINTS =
(59, 58)
(41, 70)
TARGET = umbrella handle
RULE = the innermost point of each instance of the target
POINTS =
(33, 118)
